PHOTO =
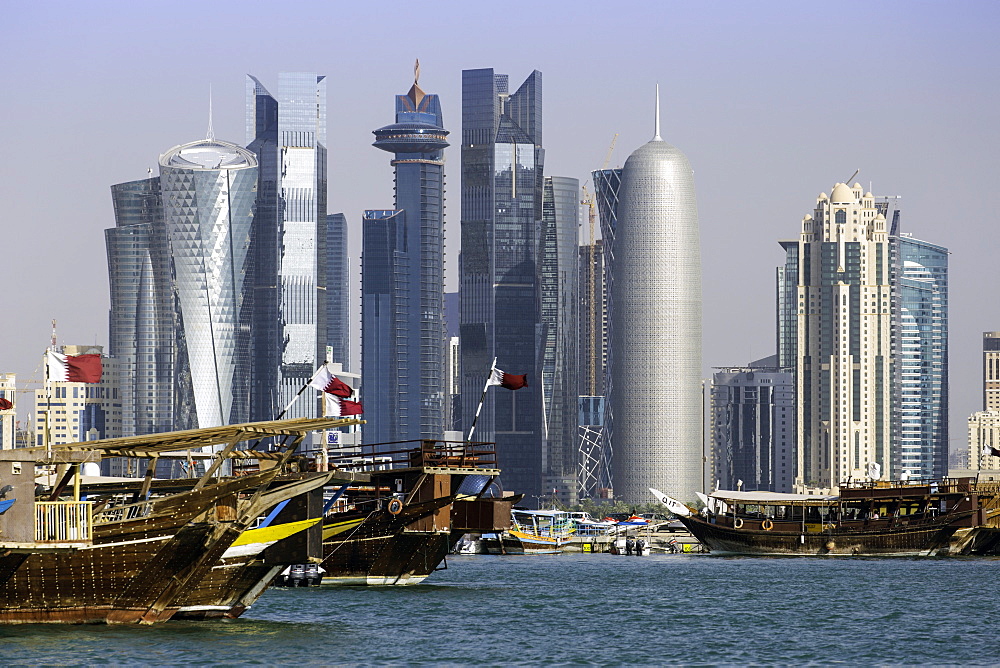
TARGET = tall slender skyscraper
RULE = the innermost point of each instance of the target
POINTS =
(287, 133)
(209, 189)
(338, 312)
(560, 316)
(656, 393)
(143, 320)
(402, 281)
(502, 159)
(919, 352)
(842, 332)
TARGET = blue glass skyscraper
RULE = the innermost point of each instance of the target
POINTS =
(502, 160)
(287, 133)
(402, 281)
(920, 352)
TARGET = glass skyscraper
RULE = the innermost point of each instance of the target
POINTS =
(143, 320)
(753, 427)
(209, 188)
(502, 162)
(402, 282)
(607, 183)
(287, 133)
(920, 353)
(560, 319)
(338, 313)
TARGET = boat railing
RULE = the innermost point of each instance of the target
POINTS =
(935, 485)
(427, 453)
(121, 513)
(64, 521)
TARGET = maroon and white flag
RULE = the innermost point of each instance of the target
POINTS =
(74, 368)
(509, 380)
(324, 381)
(340, 407)
(5, 404)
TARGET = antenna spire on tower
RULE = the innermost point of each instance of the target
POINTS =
(416, 72)
(656, 135)
(210, 135)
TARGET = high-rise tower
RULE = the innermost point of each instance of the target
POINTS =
(656, 395)
(502, 159)
(209, 189)
(919, 434)
(560, 318)
(841, 302)
(338, 312)
(143, 319)
(402, 281)
(287, 133)
(991, 371)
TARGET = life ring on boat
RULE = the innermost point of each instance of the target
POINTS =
(395, 506)
(767, 525)
(738, 523)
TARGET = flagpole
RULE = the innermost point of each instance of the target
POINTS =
(482, 399)
(299, 393)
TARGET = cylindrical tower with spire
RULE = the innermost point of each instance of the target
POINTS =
(656, 368)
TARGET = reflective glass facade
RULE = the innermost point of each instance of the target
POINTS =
(143, 320)
(753, 428)
(338, 318)
(287, 133)
(607, 183)
(560, 316)
(209, 188)
(502, 161)
(920, 356)
(403, 355)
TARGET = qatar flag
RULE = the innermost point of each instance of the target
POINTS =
(509, 380)
(324, 381)
(5, 404)
(74, 368)
(339, 407)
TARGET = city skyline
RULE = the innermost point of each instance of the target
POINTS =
(745, 122)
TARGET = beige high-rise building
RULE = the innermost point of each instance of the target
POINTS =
(7, 415)
(984, 440)
(838, 298)
(991, 371)
(68, 412)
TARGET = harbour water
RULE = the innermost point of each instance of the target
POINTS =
(583, 608)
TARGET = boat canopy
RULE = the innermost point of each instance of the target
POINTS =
(770, 498)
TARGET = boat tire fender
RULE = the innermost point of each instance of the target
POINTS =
(738, 523)
(395, 506)
(767, 525)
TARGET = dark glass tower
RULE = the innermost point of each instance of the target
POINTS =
(560, 315)
(287, 133)
(338, 313)
(502, 160)
(402, 281)
(143, 318)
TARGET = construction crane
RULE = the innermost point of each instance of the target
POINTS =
(589, 201)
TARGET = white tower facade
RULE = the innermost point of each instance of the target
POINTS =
(656, 395)
(843, 341)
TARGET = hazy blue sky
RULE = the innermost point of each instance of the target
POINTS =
(773, 102)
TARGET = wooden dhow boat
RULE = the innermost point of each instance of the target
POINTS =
(85, 561)
(909, 518)
(398, 529)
